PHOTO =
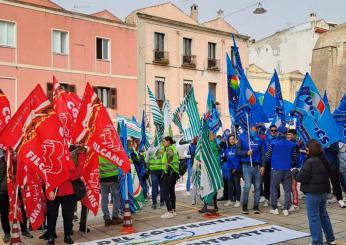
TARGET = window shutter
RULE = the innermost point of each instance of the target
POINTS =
(112, 98)
(50, 91)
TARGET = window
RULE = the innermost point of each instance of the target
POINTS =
(187, 85)
(108, 96)
(160, 90)
(67, 87)
(60, 42)
(211, 50)
(212, 89)
(187, 46)
(159, 41)
(7, 34)
(102, 49)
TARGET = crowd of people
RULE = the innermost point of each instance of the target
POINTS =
(262, 158)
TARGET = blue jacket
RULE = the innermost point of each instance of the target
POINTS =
(257, 146)
(231, 159)
(300, 156)
(282, 153)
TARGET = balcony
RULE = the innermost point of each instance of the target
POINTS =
(189, 61)
(161, 57)
(214, 64)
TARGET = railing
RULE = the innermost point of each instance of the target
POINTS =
(214, 64)
(161, 57)
(189, 61)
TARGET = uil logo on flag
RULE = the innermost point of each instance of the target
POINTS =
(271, 90)
(312, 103)
(53, 150)
(250, 97)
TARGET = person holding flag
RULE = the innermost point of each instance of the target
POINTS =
(170, 160)
(251, 152)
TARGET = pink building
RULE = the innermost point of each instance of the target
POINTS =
(39, 39)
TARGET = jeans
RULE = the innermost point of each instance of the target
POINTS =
(169, 181)
(189, 173)
(144, 185)
(156, 182)
(318, 218)
(106, 189)
(251, 175)
(343, 180)
(277, 177)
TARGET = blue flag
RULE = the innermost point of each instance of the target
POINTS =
(232, 88)
(143, 134)
(238, 63)
(273, 104)
(250, 105)
(314, 118)
(212, 116)
(340, 117)
(134, 120)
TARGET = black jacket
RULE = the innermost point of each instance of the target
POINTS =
(313, 176)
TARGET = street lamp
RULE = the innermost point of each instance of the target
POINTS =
(259, 9)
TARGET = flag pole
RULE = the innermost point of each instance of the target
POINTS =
(248, 134)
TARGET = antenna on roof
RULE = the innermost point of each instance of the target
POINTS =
(80, 6)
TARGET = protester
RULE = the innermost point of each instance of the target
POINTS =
(282, 154)
(4, 199)
(109, 186)
(65, 197)
(78, 154)
(189, 156)
(331, 154)
(292, 136)
(269, 137)
(342, 163)
(139, 163)
(315, 184)
(232, 165)
(170, 160)
(251, 156)
(154, 161)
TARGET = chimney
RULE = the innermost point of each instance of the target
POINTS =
(313, 17)
(194, 12)
(220, 14)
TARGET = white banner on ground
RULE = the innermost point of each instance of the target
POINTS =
(268, 234)
(180, 232)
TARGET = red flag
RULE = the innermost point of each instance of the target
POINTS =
(34, 199)
(36, 133)
(5, 111)
(95, 129)
(66, 106)
(12, 192)
(91, 179)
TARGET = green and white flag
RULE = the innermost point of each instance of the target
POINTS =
(138, 195)
(207, 171)
(167, 118)
(186, 116)
(157, 117)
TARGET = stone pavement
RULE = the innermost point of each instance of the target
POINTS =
(148, 219)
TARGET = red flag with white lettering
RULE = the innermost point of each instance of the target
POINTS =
(91, 178)
(95, 129)
(66, 106)
(5, 111)
(36, 134)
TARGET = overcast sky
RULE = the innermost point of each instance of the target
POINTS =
(281, 13)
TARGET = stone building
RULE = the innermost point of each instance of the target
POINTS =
(329, 64)
(289, 49)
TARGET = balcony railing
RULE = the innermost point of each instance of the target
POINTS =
(214, 64)
(161, 57)
(189, 61)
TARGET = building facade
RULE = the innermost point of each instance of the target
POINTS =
(329, 64)
(176, 52)
(290, 49)
(39, 39)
